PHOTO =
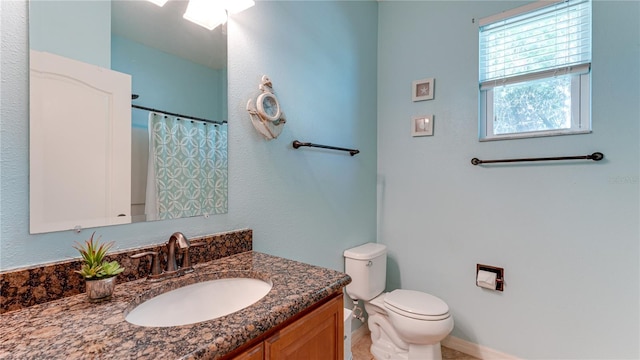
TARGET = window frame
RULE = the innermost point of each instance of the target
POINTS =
(580, 90)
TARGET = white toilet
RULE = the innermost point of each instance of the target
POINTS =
(404, 324)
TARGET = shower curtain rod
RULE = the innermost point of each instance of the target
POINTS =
(179, 115)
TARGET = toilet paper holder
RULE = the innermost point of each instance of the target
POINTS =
(497, 270)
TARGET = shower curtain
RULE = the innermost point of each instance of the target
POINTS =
(187, 172)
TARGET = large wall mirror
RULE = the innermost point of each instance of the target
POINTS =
(175, 78)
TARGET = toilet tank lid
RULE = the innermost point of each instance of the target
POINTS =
(366, 251)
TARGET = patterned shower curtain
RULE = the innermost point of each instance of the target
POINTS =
(187, 174)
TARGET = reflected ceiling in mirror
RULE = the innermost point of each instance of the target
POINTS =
(165, 29)
(175, 67)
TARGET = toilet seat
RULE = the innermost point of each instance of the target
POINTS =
(416, 305)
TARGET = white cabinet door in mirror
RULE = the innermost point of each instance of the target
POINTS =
(79, 172)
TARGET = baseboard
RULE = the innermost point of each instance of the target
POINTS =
(452, 342)
(479, 351)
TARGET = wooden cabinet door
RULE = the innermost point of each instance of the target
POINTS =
(255, 353)
(317, 336)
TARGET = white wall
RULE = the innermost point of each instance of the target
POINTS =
(566, 233)
(306, 204)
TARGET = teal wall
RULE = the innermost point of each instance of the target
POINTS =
(55, 24)
(308, 205)
(566, 233)
(168, 82)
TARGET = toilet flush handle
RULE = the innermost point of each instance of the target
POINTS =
(369, 263)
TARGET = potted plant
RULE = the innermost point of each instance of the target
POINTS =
(99, 274)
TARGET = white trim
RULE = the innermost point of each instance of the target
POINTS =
(565, 70)
(452, 342)
(517, 11)
(479, 351)
(535, 134)
(580, 112)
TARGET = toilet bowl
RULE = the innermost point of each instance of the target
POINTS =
(404, 324)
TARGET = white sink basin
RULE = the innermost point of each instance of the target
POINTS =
(198, 302)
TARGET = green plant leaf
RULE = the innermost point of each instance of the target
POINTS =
(93, 253)
(111, 268)
(90, 272)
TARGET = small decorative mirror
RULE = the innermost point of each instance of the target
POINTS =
(266, 116)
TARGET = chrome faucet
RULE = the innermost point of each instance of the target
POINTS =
(182, 242)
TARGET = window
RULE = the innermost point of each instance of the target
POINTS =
(535, 64)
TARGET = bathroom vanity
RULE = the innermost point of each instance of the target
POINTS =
(301, 315)
(315, 335)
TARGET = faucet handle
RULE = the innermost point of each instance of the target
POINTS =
(186, 257)
(155, 263)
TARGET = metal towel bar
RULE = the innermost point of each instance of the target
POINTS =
(296, 144)
(596, 156)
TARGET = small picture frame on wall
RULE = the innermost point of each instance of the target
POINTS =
(423, 89)
(422, 125)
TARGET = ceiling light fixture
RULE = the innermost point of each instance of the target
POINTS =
(159, 2)
(235, 6)
(211, 13)
(206, 13)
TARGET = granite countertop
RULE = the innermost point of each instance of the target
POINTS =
(74, 328)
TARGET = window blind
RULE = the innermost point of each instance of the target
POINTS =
(551, 38)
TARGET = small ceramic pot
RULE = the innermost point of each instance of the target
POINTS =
(100, 289)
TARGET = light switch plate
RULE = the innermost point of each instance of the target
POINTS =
(422, 125)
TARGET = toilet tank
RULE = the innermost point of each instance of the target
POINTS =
(367, 266)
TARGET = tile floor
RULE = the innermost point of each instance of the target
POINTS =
(361, 342)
